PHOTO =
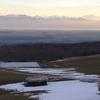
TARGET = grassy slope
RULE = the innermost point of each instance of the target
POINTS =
(11, 77)
(6, 77)
(86, 64)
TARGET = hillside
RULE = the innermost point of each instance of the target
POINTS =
(85, 64)
(47, 51)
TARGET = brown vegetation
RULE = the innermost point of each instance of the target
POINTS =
(85, 64)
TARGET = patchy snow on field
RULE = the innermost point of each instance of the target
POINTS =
(69, 73)
(64, 90)
(18, 64)
(64, 72)
(52, 71)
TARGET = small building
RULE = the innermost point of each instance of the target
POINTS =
(36, 81)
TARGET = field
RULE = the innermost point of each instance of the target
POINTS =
(85, 64)
(10, 77)
(6, 95)
(7, 76)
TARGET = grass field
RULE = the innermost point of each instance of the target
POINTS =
(7, 76)
(85, 64)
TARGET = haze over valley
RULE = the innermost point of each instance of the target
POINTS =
(48, 36)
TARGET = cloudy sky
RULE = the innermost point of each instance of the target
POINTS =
(88, 9)
(50, 7)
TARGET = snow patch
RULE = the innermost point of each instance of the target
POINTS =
(18, 64)
(64, 90)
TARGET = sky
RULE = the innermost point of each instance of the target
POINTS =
(80, 14)
(73, 8)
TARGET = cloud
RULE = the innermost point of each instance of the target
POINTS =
(91, 17)
(22, 22)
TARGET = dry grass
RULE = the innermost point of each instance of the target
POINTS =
(7, 76)
(10, 76)
(7, 95)
(85, 64)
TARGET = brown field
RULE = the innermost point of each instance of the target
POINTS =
(7, 76)
(10, 76)
(85, 64)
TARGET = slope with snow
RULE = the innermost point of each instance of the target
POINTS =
(64, 90)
